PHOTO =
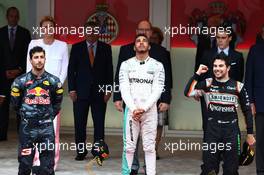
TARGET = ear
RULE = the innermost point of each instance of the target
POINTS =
(228, 68)
(230, 38)
(149, 47)
(134, 48)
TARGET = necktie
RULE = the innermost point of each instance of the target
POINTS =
(222, 53)
(12, 38)
(91, 54)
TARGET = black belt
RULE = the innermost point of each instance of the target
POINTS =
(36, 121)
(222, 121)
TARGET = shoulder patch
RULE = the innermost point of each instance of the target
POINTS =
(208, 82)
(239, 86)
(59, 85)
(59, 91)
(46, 83)
(14, 89)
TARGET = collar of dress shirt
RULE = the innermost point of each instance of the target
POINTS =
(94, 45)
(224, 50)
(9, 28)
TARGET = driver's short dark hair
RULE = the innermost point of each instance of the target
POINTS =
(35, 50)
(223, 57)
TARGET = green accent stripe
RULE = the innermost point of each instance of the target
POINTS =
(238, 144)
(125, 168)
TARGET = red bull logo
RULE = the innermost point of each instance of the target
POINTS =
(39, 94)
(31, 92)
(38, 91)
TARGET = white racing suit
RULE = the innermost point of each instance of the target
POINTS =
(141, 84)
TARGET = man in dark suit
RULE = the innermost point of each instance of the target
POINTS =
(260, 36)
(254, 82)
(236, 72)
(204, 42)
(2, 74)
(13, 45)
(90, 71)
(160, 54)
(208, 42)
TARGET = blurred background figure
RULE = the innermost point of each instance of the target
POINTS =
(260, 36)
(14, 41)
(157, 38)
(254, 82)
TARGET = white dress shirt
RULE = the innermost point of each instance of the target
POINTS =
(57, 57)
(226, 50)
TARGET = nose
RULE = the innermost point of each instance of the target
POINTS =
(141, 42)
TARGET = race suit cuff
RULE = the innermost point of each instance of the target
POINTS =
(133, 108)
(145, 108)
(196, 77)
(250, 130)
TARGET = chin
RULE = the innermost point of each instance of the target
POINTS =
(40, 68)
(141, 51)
(220, 77)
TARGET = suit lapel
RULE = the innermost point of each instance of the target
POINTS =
(17, 37)
(215, 52)
(231, 55)
(86, 54)
(7, 38)
(97, 53)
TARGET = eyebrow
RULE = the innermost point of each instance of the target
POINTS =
(142, 39)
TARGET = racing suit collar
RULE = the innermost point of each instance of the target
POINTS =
(142, 61)
(221, 82)
(36, 77)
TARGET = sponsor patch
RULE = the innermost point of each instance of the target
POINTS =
(150, 72)
(30, 82)
(14, 89)
(59, 91)
(26, 151)
(15, 94)
(46, 83)
(38, 91)
(59, 85)
(38, 100)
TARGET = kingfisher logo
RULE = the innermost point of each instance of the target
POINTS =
(38, 93)
(224, 98)
(142, 81)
